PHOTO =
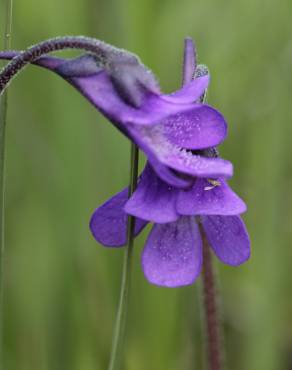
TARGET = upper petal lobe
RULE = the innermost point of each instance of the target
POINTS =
(201, 127)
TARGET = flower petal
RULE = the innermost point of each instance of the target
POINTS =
(8, 54)
(166, 173)
(159, 150)
(207, 199)
(154, 200)
(199, 128)
(190, 92)
(46, 62)
(198, 166)
(228, 238)
(108, 223)
(172, 256)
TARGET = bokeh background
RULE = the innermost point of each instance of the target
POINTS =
(64, 159)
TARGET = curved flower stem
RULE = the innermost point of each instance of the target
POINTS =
(30, 55)
(3, 115)
(119, 333)
(210, 302)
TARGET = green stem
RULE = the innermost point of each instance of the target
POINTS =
(3, 116)
(119, 333)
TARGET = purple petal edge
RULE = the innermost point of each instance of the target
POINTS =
(228, 238)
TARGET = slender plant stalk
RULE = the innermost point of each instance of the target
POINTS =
(3, 115)
(210, 303)
(33, 53)
(119, 333)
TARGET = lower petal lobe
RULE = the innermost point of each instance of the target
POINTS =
(228, 238)
(108, 223)
(172, 256)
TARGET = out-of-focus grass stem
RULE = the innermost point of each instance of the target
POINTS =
(3, 116)
(119, 333)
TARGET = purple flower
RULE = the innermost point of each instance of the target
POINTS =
(183, 188)
(172, 255)
(165, 127)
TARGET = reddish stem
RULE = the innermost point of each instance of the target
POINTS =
(212, 321)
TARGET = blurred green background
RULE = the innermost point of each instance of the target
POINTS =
(64, 159)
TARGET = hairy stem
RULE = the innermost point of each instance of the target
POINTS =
(212, 321)
(3, 115)
(30, 55)
(119, 333)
